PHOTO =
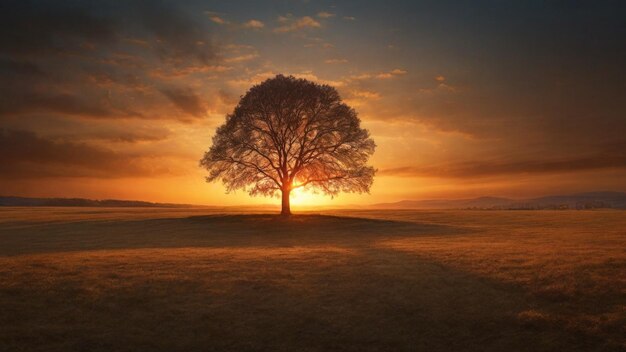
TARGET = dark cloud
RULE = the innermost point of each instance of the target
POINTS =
(25, 155)
(41, 27)
(47, 27)
(186, 100)
(548, 73)
(12, 70)
(125, 136)
(60, 129)
(94, 59)
(25, 86)
(66, 104)
(131, 135)
(616, 160)
(177, 37)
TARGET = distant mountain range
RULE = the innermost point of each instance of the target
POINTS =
(590, 200)
(80, 202)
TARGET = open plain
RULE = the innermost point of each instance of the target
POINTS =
(191, 279)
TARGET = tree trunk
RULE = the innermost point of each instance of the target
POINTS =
(286, 208)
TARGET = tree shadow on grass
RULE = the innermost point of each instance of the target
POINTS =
(319, 225)
(217, 230)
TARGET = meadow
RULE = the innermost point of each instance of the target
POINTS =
(191, 279)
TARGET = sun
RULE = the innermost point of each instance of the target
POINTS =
(300, 197)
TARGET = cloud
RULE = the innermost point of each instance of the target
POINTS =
(382, 75)
(61, 28)
(309, 75)
(97, 132)
(253, 24)
(391, 74)
(119, 136)
(16, 69)
(62, 103)
(349, 18)
(186, 100)
(366, 94)
(398, 71)
(480, 168)
(291, 24)
(31, 30)
(240, 53)
(257, 78)
(218, 19)
(325, 14)
(27, 88)
(359, 97)
(99, 61)
(440, 88)
(252, 79)
(317, 42)
(241, 58)
(336, 61)
(179, 38)
(25, 155)
(179, 72)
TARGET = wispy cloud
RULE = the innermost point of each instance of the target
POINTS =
(26, 155)
(291, 24)
(325, 14)
(391, 74)
(319, 42)
(309, 75)
(366, 94)
(180, 72)
(218, 20)
(253, 24)
(262, 76)
(186, 100)
(242, 58)
(336, 61)
(381, 75)
(479, 168)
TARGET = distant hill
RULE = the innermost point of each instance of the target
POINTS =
(590, 200)
(80, 202)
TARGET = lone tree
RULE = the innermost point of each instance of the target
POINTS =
(287, 133)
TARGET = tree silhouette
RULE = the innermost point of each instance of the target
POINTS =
(288, 133)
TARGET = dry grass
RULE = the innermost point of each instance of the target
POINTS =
(573, 263)
(191, 279)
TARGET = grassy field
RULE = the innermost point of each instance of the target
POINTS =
(86, 279)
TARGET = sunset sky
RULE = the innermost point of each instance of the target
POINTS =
(120, 99)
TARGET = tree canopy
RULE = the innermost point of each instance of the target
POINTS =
(289, 133)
